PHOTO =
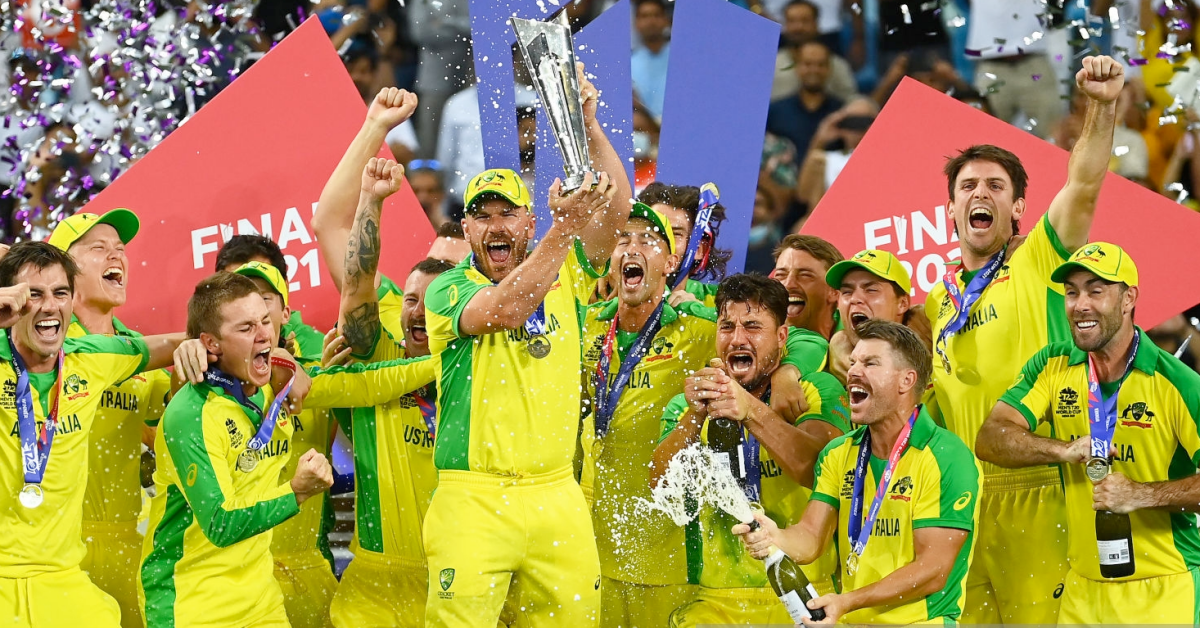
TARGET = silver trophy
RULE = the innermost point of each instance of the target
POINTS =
(549, 54)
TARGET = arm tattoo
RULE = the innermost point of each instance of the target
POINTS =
(363, 248)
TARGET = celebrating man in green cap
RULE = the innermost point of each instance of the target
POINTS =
(127, 410)
(1124, 415)
(636, 348)
(872, 284)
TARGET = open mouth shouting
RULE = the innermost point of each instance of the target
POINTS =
(417, 333)
(114, 276)
(857, 318)
(633, 274)
(741, 365)
(980, 217)
(860, 393)
(260, 365)
(499, 251)
(48, 329)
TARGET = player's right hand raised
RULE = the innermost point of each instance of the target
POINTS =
(382, 178)
(314, 475)
(391, 107)
(14, 303)
(574, 211)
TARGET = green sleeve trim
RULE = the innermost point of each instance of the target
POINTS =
(822, 497)
(959, 483)
(115, 345)
(183, 426)
(806, 350)
(1052, 235)
(1028, 378)
(1186, 382)
(698, 310)
(670, 416)
(1025, 412)
(585, 263)
(957, 524)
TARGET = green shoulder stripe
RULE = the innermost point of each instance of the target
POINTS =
(367, 512)
(586, 264)
(806, 350)
(1055, 242)
(1028, 377)
(1185, 380)
(959, 482)
(386, 287)
(833, 445)
(451, 291)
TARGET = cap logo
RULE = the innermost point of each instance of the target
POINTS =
(865, 255)
(1090, 253)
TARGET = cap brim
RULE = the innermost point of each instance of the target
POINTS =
(124, 221)
(485, 195)
(1061, 273)
(254, 272)
(836, 272)
(645, 212)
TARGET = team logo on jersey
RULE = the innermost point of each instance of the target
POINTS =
(1137, 415)
(235, 435)
(75, 387)
(1068, 403)
(661, 348)
(446, 578)
(593, 352)
(901, 489)
(963, 500)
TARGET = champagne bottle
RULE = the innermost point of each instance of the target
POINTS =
(1114, 539)
(725, 439)
(790, 584)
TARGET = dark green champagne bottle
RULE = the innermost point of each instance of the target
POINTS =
(725, 439)
(790, 584)
(1114, 540)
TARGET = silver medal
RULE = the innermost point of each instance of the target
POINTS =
(1097, 469)
(31, 496)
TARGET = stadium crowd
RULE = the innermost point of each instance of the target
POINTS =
(1013, 450)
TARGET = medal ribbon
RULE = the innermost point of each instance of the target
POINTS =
(233, 387)
(35, 443)
(859, 531)
(607, 397)
(963, 301)
(1102, 411)
(700, 231)
(535, 325)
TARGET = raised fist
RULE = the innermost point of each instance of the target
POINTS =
(392, 106)
(1101, 78)
(382, 178)
(314, 475)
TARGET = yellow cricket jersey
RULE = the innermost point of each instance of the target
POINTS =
(500, 410)
(1158, 410)
(311, 429)
(935, 485)
(394, 476)
(206, 559)
(1020, 312)
(635, 545)
(114, 487)
(716, 559)
(47, 538)
(706, 293)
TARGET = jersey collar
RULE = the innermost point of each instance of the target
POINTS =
(923, 430)
(121, 328)
(608, 309)
(1145, 361)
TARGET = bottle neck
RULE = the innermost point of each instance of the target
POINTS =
(774, 556)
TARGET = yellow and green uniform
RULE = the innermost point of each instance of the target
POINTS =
(207, 560)
(309, 341)
(1157, 440)
(733, 585)
(391, 304)
(41, 583)
(113, 498)
(935, 485)
(385, 584)
(507, 429)
(300, 545)
(1021, 543)
(641, 552)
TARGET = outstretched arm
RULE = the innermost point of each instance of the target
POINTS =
(335, 209)
(599, 237)
(359, 309)
(1073, 209)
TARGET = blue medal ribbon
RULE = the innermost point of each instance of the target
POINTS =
(535, 325)
(35, 443)
(750, 453)
(428, 413)
(606, 396)
(233, 387)
(859, 531)
(963, 301)
(1102, 411)
(700, 231)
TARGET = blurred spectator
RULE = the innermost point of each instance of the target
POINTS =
(442, 28)
(645, 146)
(1183, 172)
(912, 29)
(362, 64)
(765, 234)
(1130, 158)
(800, 19)
(828, 26)
(1013, 69)
(428, 185)
(21, 126)
(796, 118)
(54, 183)
(779, 176)
(1168, 43)
(1170, 336)
(648, 65)
(460, 146)
(527, 142)
(836, 138)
